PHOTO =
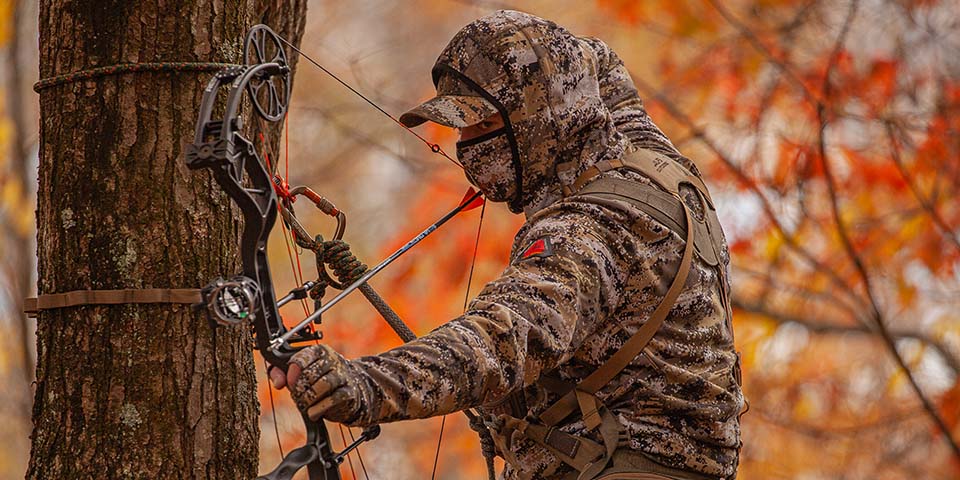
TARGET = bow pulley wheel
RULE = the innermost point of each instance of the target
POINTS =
(269, 91)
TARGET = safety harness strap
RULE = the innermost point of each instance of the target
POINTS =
(587, 456)
(574, 451)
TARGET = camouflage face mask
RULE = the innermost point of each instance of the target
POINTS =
(488, 163)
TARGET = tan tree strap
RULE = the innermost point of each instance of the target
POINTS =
(634, 345)
(110, 297)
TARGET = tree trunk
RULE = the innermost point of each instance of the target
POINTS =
(137, 390)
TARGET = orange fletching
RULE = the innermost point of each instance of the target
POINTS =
(476, 202)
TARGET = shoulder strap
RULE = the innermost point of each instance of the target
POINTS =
(659, 168)
(630, 349)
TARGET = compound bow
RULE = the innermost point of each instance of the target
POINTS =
(249, 297)
(252, 183)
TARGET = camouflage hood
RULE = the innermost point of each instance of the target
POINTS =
(543, 81)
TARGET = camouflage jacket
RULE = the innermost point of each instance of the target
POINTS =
(582, 276)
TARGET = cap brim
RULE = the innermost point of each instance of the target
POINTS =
(456, 111)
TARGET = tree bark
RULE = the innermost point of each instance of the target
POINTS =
(138, 391)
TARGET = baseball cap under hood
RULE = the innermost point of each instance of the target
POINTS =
(454, 106)
(543, 81)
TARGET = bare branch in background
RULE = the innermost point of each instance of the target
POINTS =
(851, 250)
(754, 40)
(927, 205)
(746, 181)
(823, 327)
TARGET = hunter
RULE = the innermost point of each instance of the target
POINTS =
(605, 349)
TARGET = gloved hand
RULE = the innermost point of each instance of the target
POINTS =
(324, 384)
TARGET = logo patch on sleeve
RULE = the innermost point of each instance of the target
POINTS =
(539, 248)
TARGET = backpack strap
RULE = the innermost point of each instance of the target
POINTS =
(659, 203)
(590, 385)
(659, 168)
(665, 205)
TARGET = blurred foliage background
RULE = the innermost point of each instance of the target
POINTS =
(827, 131)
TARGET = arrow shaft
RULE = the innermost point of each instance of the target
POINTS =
(281, 340)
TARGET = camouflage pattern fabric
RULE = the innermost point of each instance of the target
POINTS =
(583, 276)
(626, 107)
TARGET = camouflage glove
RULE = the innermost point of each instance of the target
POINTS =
(329, 386)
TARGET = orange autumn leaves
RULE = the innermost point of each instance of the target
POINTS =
(812, 121)
(833, 128)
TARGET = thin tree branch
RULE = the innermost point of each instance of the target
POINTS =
(746, 181)
(851, 250)
(757, 44)
(817, 431)
(801, 291)
(924, 202)
(951, 360)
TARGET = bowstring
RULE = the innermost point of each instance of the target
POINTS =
(343, 439)
(287, 235)
(360, 458)
(273, 407)
(295, 264)
(466, 298)
(298, 277)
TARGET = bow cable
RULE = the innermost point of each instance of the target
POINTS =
(434, 147)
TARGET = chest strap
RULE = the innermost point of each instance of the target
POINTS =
(587, 457)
